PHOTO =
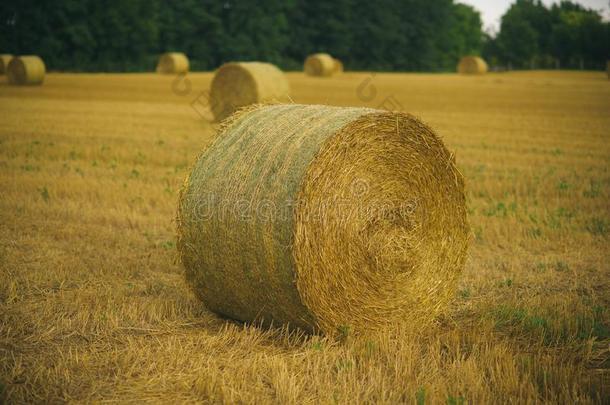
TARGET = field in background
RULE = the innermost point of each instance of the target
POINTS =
(93, 305)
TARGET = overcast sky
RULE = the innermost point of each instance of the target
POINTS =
(492, 10)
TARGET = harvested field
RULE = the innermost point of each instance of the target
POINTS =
(93, 301)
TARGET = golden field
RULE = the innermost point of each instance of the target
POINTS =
(94, 306)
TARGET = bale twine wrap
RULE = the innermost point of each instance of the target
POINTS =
(319, 64)
(5, 58)
(322, 218)
(239, 84)
(173, 63)
(26, 70)
(470, 65)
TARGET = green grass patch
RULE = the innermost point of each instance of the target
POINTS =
(44, 193)
(420, 396)
(598, 226)
(552, 328)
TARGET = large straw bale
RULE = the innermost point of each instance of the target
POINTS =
(26, 70)
(472, 65)
(5, 58)
(173, 63)
(324, 218)
(320, 64)
(239, 84)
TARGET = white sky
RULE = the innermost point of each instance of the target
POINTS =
(492, 10)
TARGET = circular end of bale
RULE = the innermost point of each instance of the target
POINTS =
(5, 58)
(472, 65)
(239, 84)
(26, 70)
(324, 218)
(173, 63)
(381, 232)
(319, 64)
(338, 66)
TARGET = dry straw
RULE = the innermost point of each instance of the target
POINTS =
(26, 70)
(608, 69)
(470, 65)
(5, 58)
(320, 64)
(324, 218)
(173, 63)
(239, 84)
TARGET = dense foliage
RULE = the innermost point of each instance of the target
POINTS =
(417, 35)
(565, 35)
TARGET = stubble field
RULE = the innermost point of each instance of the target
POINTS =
(94, 307)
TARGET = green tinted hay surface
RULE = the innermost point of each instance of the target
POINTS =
(243, 267)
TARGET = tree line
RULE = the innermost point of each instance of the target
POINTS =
(403, 35)
(565, 35)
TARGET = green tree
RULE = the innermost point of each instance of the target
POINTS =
(522, 32)
(255, 31)
(464, 36)
(317, 26)
(579, 36)
(517, 41)
(193, 27)
(566, 35)
(379, 40)
(128, 35)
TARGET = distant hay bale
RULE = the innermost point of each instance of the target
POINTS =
(5, 58)
(324, 218)
(338, 66)
(608, 69)
(319, 64)
(173, 63)
(26, 70)
(472, 65)
(238, 84)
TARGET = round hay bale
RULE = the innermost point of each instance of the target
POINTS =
(5, 58)
(319, 64)
(608, 69)
(338, 66)
(173, 63)
(26, 70)
(239, 84)
(472, 65)
(324, 218)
